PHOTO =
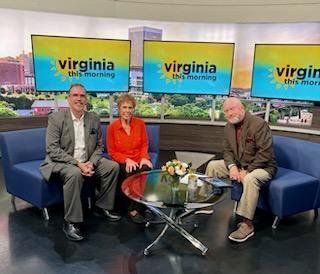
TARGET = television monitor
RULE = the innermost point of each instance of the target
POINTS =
(101, 65)
(172, 67)
(286, 71)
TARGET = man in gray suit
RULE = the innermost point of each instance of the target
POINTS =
(74, 154)
(248, 159)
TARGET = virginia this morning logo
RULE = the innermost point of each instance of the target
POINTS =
(173, 71)
(70, 68)
(285, 76)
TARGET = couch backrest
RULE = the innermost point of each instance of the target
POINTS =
(153, 132)
(30, 144)
(23, 145)
(297, 154)
(104, 134)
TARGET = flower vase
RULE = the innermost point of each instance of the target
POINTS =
(175, 182)
(175, 189)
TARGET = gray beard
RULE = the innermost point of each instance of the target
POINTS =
(235, 121)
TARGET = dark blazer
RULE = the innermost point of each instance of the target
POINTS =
(255, 148)
(60, 140)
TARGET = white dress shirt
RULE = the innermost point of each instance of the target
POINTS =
(79, 143)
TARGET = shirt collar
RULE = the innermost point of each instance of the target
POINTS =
(74, 118)
(240, 124)
(119, 126)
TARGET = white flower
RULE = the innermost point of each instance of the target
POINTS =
(175, 167)
(180, 172)
(184, 165)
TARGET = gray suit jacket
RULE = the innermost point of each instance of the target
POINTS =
(255, 148)
(60, 141)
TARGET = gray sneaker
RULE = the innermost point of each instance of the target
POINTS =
(243, 233)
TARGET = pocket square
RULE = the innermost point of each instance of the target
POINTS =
(249, 140)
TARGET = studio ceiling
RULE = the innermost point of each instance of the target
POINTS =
(181, 10)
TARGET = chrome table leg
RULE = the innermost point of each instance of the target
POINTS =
(175, 226)
(275, 222)
(146, 250)
(45, 213)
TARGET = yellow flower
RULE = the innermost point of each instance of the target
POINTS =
(176, 167)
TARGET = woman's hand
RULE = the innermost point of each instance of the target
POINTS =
(146, 162)
(131, 165)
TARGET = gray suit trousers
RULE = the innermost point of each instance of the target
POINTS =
(105, 179)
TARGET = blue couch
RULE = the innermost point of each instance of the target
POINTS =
(296, 186)
(24, 150)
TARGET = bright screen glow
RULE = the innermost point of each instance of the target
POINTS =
(187, 67)
(286, 72)
(99, 64)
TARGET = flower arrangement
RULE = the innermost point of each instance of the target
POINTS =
(176, 168)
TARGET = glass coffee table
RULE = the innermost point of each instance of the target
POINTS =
(154, 189)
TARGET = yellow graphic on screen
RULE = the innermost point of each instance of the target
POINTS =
(62, 73)
(167, 71)
(279, 79)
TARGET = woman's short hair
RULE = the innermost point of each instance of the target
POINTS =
(126, 97)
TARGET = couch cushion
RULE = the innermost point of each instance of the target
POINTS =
(286, 178)
(291, 192)
(28, 184)
(30, 168)
(32, 187)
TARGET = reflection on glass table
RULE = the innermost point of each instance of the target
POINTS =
(158, 190)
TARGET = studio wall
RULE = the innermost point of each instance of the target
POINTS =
(16, 27)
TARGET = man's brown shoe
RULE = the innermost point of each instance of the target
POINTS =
(243, 233)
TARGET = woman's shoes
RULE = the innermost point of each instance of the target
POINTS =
(148, 215)
(137, 217)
